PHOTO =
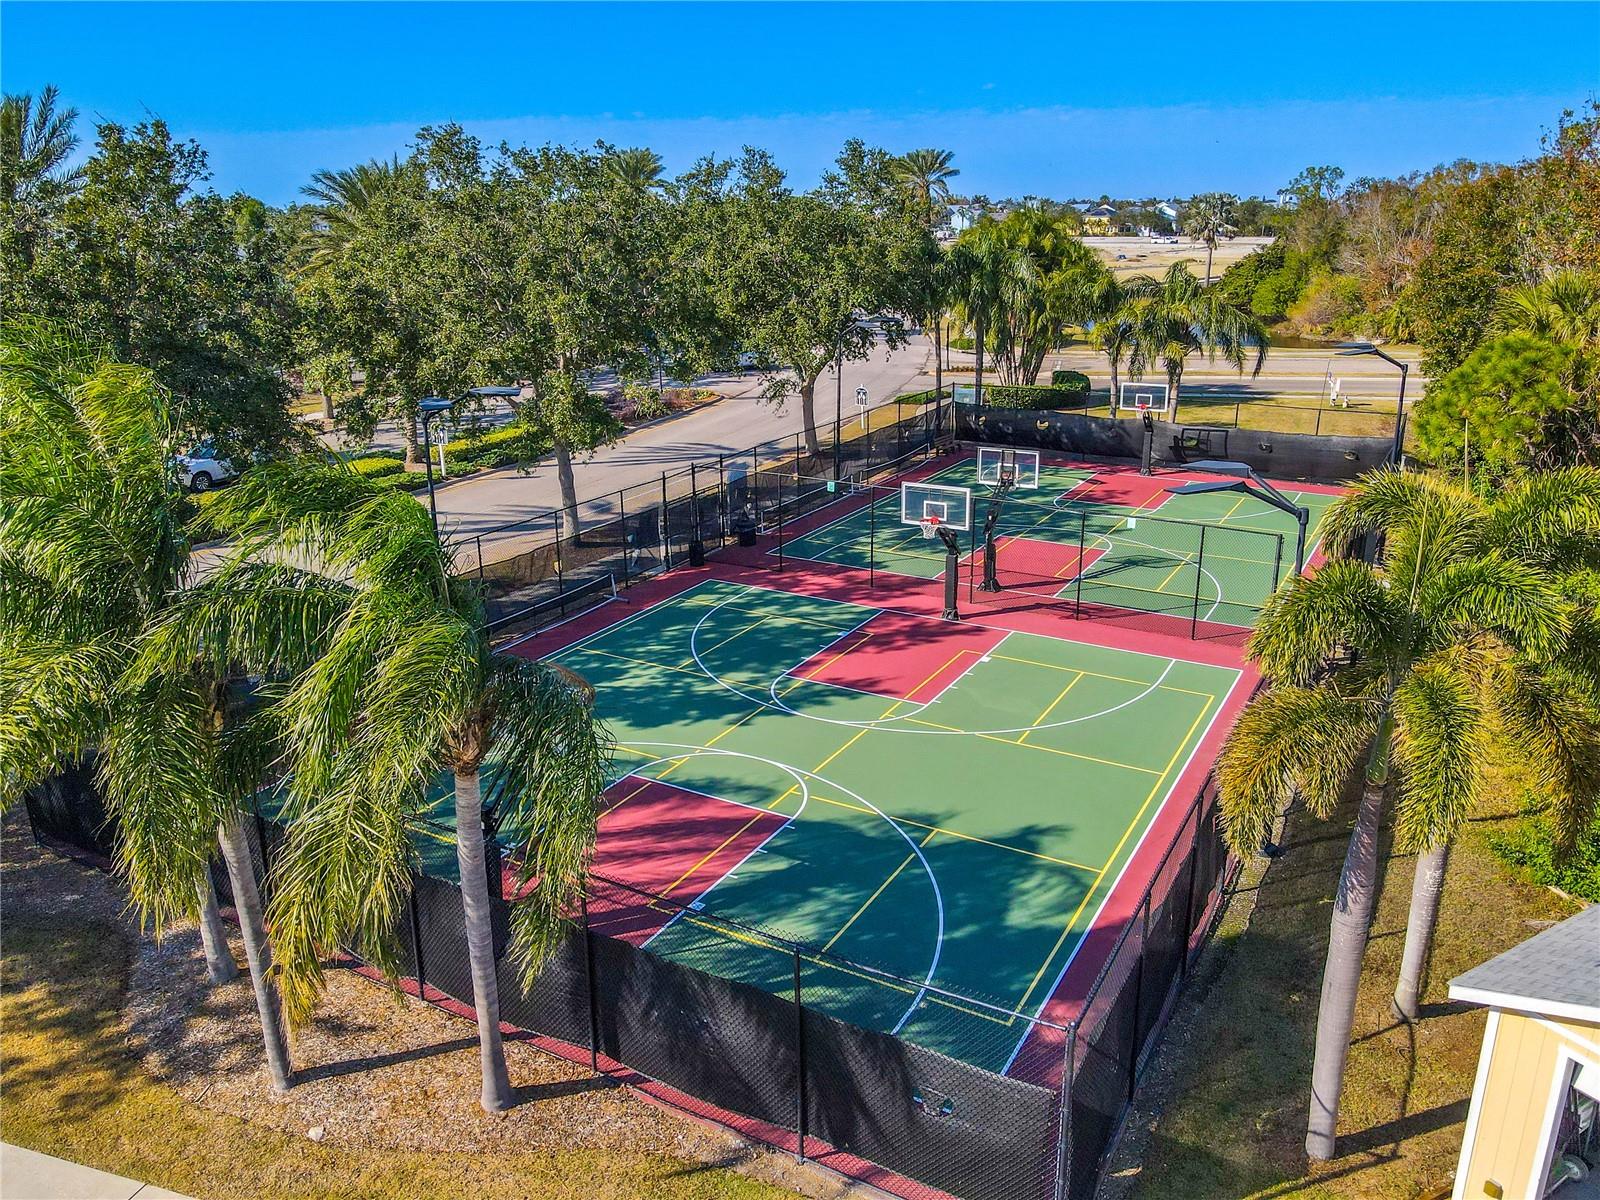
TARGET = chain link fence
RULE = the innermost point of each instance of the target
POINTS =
(541, 569)
(861, 1099)
(1094, 562)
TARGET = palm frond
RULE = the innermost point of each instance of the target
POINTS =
(1289, 738)
(1491, 594)
(56, 698)
(553, 758)
(1440, 749)
(1306, 623)
(1549, 715)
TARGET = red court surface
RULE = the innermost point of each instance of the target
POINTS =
(1024, 562)
(900, 657)
(668, 841)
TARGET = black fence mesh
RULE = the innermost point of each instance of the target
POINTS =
(861, 1099)
(542, 569)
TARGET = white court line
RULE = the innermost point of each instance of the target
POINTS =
(1128, 862)
(796, 773)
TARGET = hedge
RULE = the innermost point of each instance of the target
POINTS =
(498, 448)
(375, 466)
(997, 395)
(1072, 381)
(927, 397)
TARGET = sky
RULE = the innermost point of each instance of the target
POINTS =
(1064, 100)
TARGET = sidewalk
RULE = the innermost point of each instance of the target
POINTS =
(28, 1175)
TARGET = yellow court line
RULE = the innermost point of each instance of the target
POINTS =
(1101, 874)
(629, 796)
(811, 678)
(990, 737)
(834, 964)
(754, 624)
(666, 892)
(1076, 679)
(754, 712)
(965, 837)
(1165, 687)
(893, 875)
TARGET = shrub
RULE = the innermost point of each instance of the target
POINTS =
(1531, 847)
(961, 343)
(498, 448)
(374, 466)
(1072, 381)
(641, 402)
(1328, 302)
(406, 481)
(1003, 396)
(927, 397)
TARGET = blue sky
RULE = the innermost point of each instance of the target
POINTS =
(1060, 100)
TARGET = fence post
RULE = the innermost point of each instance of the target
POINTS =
(1317, 428)
(1199, 573)
(872, 538)
(588, 978)
(722, 500)
(1064, 1136)
(561, 589)
(622, 525)
(1138, 998)
(1236, 413)
(666, 540)
(694, 503)
(416, 942)
(1188, 898)
(800, 1064)
(779, 476)
(478, 538)
(1083, 566)
(1277, 565)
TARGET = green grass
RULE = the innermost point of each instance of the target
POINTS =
(73, 1089)
(1236, 1123)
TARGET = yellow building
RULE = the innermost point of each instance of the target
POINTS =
(1533, 1129)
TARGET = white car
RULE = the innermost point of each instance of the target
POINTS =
(203, 467)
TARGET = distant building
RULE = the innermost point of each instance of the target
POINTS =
(1168, 210)
(1533, 1128)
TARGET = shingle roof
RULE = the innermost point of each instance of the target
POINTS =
(1555, 972)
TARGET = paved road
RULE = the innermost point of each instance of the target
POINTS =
(483, 503)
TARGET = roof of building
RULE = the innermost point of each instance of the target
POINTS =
(1555, 973)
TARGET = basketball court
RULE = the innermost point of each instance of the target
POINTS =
(944, 816)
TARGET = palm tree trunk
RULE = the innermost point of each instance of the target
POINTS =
(235, 840)
(1426, 888)
(1210, 249)
(808, 414)
(1347, 947)
(1174, 383)
(496, 1095)
(1114, 353)
(213, 937)
(977, 372)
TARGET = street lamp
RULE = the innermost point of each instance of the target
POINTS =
(1355, 349)
(432, 406)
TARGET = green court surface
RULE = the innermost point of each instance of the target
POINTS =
(1217, 556)
(961, 839)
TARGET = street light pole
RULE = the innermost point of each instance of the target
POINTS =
(1355, 349)
(838, 404)
(430, 407)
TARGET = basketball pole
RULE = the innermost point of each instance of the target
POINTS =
(991, 580)
(952, 565)
(1149, 443)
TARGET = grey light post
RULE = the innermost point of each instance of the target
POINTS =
(432, 406)
(838, 404)
(1354, 349)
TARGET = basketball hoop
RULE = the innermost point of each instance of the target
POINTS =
(930, 527)
(1142, 405)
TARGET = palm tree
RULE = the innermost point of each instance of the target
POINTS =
(1447, 630)
(638, 169)
(408, 685)
(92, 554)
(926, 176)
(342, 199)
(1175, 316)
(36, 143)
(1209, 218)
(1564, 308)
